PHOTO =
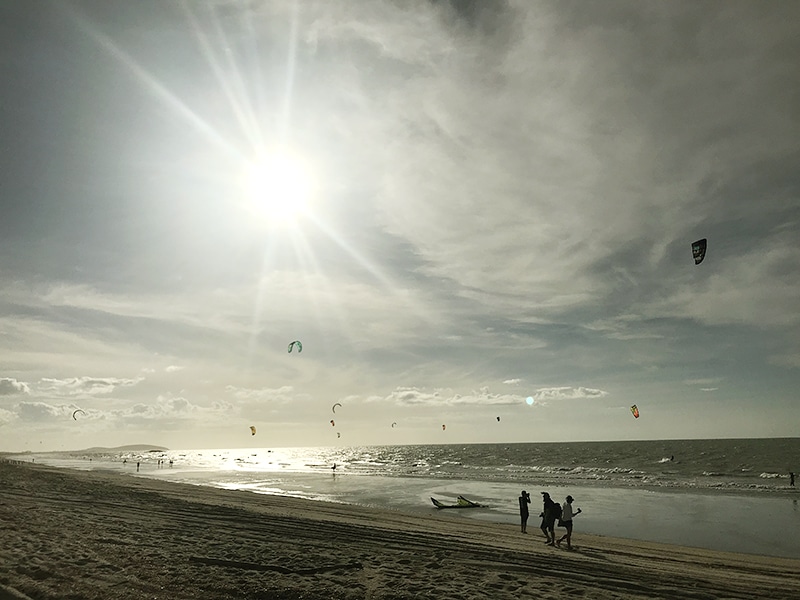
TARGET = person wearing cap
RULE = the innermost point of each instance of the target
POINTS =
(548, 516)
(566, 520)
(524, 500)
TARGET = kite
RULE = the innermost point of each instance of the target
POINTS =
(338, 435)
(298, 344)
(252, 430)
(498, 419)
(444, 427)
(74, 418)
(699, 250)
(333, 408)
(394, 424)
(635, 411)
(332, 423)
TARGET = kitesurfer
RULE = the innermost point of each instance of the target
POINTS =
(524, 499)
(566, 521)
(791, 478)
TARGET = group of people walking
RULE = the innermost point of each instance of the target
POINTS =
(552, 515)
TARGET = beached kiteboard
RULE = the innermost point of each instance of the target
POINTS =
(460, 503)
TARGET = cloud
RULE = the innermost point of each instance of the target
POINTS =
(791, 360)
(704, 381)
(756, 285)
(413, 396)
(566, 393)
(38, 412)
(76, 386)
(11, 387)
(6, 416)
(282, 394)
(166, 409)
(173, 369)
(711, 389)
(513, 381)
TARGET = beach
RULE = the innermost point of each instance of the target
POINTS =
(92, 534)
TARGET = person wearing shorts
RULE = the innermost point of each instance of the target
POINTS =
(566, 522)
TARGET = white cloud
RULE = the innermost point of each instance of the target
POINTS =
(38, 412)
(703, 381)
(10, 387)
(413, 396)
(566, 393)
(282, 394)
(514, 381)
(165, 408)
(76, 386)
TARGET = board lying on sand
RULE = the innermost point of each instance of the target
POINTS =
(460, 503)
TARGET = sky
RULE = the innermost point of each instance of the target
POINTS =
(476, 215)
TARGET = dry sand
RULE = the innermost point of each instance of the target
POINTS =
(75, 534)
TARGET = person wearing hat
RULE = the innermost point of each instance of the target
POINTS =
(524, 500)
(566, 520)
(549, 517)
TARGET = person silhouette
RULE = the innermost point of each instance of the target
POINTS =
(524, 499)
(566, 521)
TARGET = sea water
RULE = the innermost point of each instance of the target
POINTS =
(729, 495)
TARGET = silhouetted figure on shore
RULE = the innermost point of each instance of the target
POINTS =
(566, 521)
(524, 499)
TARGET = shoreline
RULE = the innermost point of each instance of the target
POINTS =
(93, 534)
(750, 490)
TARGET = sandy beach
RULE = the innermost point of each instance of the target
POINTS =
(92, 535)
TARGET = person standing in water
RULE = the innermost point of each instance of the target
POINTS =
(524, 500)
(791, 478)
(566, 520)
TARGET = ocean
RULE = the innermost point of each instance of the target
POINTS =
(731, 495)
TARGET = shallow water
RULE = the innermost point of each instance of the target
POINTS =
(717, 494)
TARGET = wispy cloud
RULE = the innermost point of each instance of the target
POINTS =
(566, 393)
(77, 386)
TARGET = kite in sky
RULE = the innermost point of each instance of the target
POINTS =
(333, 424)
(252, 430)
(74, 417)
(699, 250)
(498, 419)
(635, 411)
(333, 408)
(444, 427)
(394, 424)
(296, 343)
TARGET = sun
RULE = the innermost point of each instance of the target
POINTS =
(277, 187)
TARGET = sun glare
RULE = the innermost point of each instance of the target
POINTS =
(277, 188)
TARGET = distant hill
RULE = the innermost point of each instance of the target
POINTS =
(130, 448)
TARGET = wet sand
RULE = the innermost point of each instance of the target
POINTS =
(95, 535)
